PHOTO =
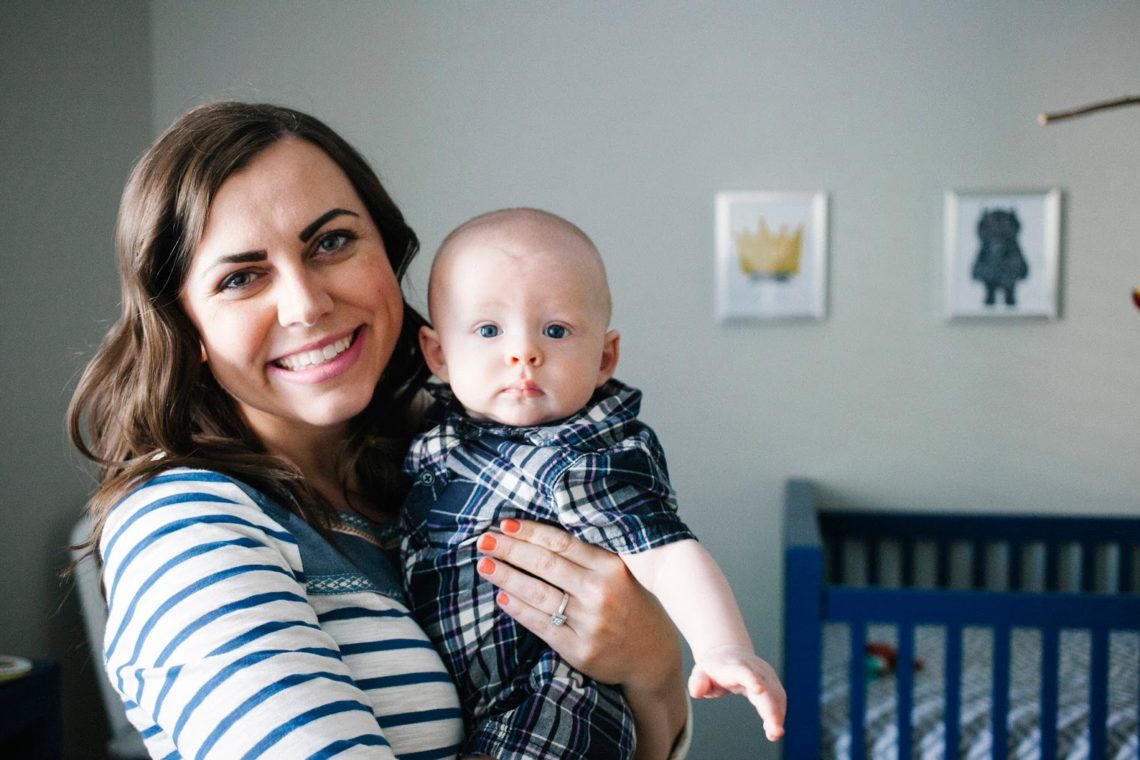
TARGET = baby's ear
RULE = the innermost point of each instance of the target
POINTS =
(433, 352)
(611, 349)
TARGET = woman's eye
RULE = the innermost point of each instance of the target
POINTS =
(333, 242)
(235, 281)
(487, 331)
(555, 331)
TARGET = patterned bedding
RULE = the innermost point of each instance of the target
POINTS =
(975, 729)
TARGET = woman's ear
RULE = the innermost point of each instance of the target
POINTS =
(433, 352)
(611, 349)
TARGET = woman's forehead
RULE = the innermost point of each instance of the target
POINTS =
(285, 186)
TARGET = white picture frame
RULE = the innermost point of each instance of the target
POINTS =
(771, 255)
(1002, 253)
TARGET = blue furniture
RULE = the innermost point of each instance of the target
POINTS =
(996, 572)
(30, 714)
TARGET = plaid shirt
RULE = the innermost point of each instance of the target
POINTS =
(600, 474)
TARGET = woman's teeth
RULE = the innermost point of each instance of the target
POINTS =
(305, 359)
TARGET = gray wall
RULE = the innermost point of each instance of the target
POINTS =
(75, 103)
(627, 118)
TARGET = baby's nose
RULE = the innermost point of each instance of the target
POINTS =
(526, 352)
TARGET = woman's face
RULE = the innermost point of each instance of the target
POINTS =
(291, 291)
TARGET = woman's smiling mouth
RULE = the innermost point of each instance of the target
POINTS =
(306, 359)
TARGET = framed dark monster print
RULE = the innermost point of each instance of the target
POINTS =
(1002, 252)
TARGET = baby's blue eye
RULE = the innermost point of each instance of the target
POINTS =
(555, 331)
(487, 331)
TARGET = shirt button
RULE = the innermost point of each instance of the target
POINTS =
(427, 478)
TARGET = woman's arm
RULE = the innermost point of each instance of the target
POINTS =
(211, 640)
(615, 631)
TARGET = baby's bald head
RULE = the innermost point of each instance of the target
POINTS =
(521, 232)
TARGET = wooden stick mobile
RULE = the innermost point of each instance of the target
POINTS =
(1049, 118)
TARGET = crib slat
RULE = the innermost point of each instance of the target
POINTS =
(953, 688)
(904, 670)
(1013, 566)
(1051, 566)
(977, 564)
(1123, 568)
(858, 681)
(907, 549)
(1088, 566)
(943, 565)
(872, 549)
(1098, 685)
(999, 716)
(1049, 665)
(835, 557)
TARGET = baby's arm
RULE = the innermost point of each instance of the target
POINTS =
(695, 593)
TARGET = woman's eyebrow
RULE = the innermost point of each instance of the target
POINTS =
(317, 223)
(244, 257)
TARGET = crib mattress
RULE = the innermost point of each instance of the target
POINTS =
(975, 735)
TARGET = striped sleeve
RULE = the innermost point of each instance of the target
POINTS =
(211, 641)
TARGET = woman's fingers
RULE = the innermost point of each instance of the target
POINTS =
(520, 587)
(537, 620)
(535, 564)
(555, 541)
(532, 603)
(615, 631)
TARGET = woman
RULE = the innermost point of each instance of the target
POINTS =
(248, 412)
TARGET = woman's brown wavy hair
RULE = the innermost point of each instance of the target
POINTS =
(146, 402)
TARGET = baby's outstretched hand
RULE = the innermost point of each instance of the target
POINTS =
(735, 669)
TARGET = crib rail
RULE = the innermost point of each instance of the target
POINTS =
(1029, 551)
(803, 611)
(1001, 612)
(1046, 574)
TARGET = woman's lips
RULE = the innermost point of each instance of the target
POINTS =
(304, 359)
(299, 367)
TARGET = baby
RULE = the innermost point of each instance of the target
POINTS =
(534, 426)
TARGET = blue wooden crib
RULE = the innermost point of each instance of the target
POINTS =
(1066, 585)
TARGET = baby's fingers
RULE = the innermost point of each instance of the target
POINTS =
(703, 687)
(699, 684)
(735, 678)
(772, 709)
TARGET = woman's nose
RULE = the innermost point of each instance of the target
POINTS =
(302, 300)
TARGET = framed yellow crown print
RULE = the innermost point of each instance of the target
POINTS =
(771, 255)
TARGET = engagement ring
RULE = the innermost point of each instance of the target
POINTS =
(559, 618)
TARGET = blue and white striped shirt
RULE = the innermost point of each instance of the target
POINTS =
(234, 630)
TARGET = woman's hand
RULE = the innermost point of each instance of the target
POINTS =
(615, 631)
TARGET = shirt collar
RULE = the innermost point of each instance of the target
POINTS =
(599, 424)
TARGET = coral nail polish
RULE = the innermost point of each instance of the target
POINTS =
(485, 566)
(487, 543)
(510, 525)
